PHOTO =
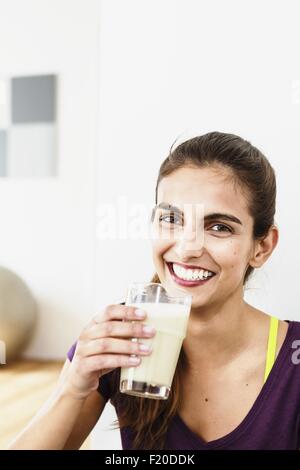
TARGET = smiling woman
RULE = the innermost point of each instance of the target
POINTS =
(237, 379)
(213, 225)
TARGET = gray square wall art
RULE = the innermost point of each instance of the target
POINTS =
(33, 99)
(28, 140)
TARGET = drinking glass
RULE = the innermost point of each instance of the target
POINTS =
(169, 314)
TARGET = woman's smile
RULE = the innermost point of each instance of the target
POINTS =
(187, 277)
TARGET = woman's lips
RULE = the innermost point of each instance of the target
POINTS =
(184, 283)
(188, 266)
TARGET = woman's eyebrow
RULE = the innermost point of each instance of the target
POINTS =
(208, 217)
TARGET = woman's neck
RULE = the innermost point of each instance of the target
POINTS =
(218, 334)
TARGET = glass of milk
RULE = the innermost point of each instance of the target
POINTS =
(169, 315)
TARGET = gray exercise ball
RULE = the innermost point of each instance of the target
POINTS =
(18, 313)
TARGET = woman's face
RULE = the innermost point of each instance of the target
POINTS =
(194, 237)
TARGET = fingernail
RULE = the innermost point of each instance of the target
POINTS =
(140, 313)
(144, 347)
(134, 360)
(148, 329)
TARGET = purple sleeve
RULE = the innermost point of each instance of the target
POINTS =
(105, 386)
(71, 351)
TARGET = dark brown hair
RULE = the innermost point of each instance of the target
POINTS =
(248, 169)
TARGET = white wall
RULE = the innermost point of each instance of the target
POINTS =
(187, 67)
(48, 226)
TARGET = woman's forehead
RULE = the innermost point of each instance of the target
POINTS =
(216, 191)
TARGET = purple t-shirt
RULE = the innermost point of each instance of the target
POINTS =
(273, 422)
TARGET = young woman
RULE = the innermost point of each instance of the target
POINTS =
(237, 381)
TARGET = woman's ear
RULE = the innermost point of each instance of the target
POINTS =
(264, 247)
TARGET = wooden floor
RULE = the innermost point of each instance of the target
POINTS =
(24, 387)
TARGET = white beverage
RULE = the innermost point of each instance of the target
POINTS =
(153, 377)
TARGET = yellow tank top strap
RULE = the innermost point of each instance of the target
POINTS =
(272, 342)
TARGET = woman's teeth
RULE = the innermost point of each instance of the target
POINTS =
(191, 274)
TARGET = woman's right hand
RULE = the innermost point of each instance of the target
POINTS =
(103, 345)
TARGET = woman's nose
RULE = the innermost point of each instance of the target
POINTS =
(190, 245)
